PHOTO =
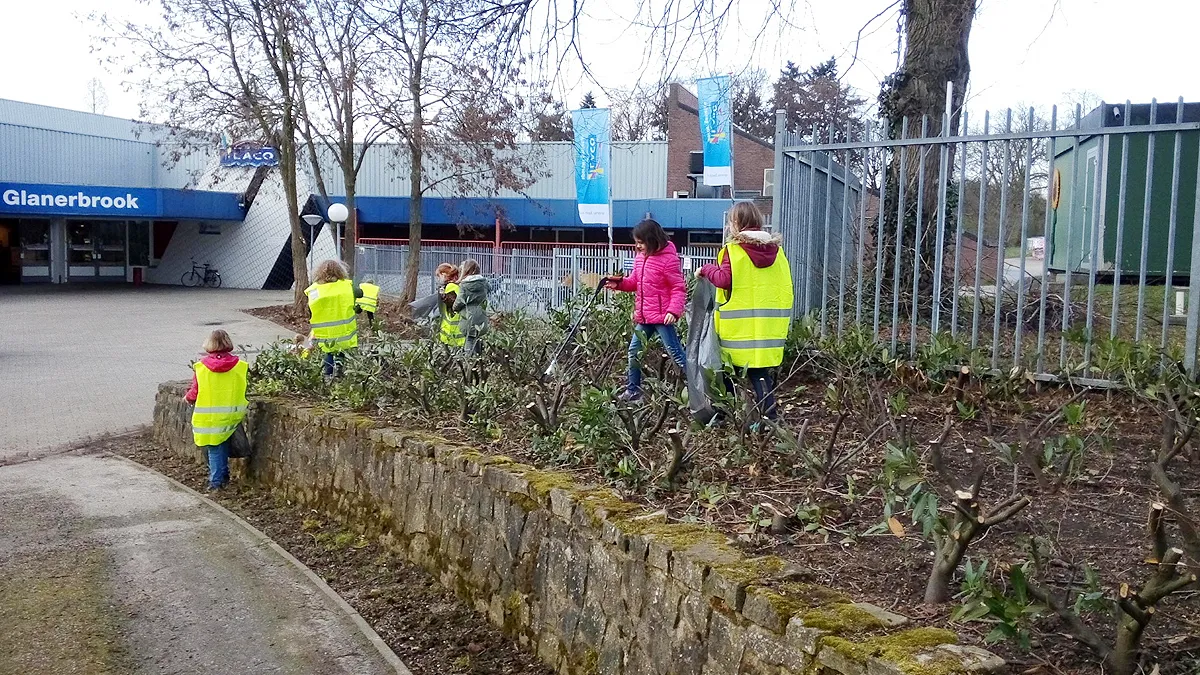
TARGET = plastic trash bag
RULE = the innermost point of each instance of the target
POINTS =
(425, 306)
(703, 350)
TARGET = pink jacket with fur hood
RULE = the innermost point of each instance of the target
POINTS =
(658, 285)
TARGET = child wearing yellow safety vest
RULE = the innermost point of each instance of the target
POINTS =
(754, 298)
(219, 392)
(369, 302)
(449, 333)
(332, 303)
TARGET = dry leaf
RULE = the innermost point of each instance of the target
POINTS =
(895, 526)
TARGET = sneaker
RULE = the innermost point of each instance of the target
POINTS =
(630, 396)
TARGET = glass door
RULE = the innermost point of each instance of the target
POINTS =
(97, 250)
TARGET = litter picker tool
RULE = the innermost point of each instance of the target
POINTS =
(575, 327)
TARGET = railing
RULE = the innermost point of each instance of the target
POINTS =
(534, 277)
(1031, 242)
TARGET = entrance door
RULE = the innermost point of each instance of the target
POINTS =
(96, 250)
(10, 236)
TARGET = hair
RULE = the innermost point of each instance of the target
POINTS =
(469, 266)
(448, 270)
(650, 233)
(330, 271)
(218, 342)
(745, 216)
(300, 339)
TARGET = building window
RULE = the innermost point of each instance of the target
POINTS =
(210, 228)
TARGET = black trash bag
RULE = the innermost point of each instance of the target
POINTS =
(239, 446)
(703, 351)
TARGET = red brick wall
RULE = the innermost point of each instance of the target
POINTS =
(750, 155)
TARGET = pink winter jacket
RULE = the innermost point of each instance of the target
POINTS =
(658, 283)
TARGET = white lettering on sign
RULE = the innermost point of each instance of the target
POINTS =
(81, 200)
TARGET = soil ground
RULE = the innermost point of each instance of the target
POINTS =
(391, 317)
(427, 626)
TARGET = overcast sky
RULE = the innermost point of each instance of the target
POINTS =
(1023, 52)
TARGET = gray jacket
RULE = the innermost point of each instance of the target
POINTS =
(471, 305)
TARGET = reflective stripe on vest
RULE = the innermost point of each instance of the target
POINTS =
(370, 299)
(220, 403)
(450, 333)
(334, 325)
(752, 322)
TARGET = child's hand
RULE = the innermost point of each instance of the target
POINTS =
(699, 273)
(670, 319)
(611, 283)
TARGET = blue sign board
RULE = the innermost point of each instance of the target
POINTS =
(250, 154)
(716, 129)
(78, 200)
(593, 162)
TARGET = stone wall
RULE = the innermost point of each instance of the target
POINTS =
(591, 583)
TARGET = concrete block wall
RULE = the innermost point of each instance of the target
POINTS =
(590, 583)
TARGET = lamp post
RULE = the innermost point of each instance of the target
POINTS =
(338, 215)
(313, 220)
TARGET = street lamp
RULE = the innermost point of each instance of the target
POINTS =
(313, 220)
(338, 215)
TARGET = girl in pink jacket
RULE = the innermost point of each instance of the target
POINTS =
(660, 294)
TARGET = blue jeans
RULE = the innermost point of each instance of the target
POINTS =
(218, 463)
(670, 340)
(332, 362)
(762, 383)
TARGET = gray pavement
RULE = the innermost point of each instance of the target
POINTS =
(108, 567)
(79, 361)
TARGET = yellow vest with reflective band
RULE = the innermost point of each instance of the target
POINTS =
(370, 299)
(752, 321)
(220, 403)
(334, 324)
(450, 334)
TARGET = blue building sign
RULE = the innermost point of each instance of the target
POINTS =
(250, 154)
(77, 200)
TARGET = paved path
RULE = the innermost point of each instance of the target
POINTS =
(107, 567)
(81, 361)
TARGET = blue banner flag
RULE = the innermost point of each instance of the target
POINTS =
(716, 129)
(593, 159)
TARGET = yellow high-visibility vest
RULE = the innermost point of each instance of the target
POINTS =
(334, 324)
(752, 321)
(450, 334)
(370, 298)
(220, 403)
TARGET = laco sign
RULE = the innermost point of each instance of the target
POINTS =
(249, 154)
(75, 200)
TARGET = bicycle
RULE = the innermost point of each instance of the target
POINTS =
(205, 275)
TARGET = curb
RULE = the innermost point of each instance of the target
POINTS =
(363, 627)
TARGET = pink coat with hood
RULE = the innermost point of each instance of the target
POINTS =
(658, 285)
(220, 362)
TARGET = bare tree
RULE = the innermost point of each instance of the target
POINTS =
(341, 111)
(230, 64)
(640, 113)
(553, 123)
(95, 97)
(458, 123)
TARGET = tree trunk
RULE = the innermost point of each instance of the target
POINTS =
(1122, 660)
(287, 157)
(937, 33)
(412, 267)
(350, 176)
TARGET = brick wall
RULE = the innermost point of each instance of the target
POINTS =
(750, 155)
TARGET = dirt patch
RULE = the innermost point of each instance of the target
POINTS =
(56, 616)
(427, 626)
(391, 317)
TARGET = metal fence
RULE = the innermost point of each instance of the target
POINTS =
(1028, 238)
(525, 276)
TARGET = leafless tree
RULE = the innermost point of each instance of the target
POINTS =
(95, 96)
(229, 64)
(455, 67)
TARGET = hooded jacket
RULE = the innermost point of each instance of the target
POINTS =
(761, 247)
(471, 305)
(221, 362)
(658, 285)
